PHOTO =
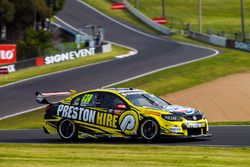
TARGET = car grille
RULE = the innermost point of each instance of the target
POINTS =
(196, 131)
(193, 117)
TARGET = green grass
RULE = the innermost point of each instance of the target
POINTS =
(230, 123)
(223, 15)
(121, 15)
(68, 155)
(36, 71)
(31, 120)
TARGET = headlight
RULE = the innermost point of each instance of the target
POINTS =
(171, 117)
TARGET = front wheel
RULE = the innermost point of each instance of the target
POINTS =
(149, 130)
(67, 130)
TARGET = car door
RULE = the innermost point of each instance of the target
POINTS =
(109, 112)
(118, 114)
(85, 106)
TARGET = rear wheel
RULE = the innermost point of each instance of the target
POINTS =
(67, 130)
(149, 130)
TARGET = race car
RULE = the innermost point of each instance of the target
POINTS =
(120, 113)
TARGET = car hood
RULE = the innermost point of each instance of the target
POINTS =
(176, 109)
(179, 109)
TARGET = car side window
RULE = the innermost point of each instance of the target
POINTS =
(110, 101)
(88, 99)
(76, 101)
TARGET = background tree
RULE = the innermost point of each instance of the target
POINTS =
(25, 24)
(26, 14)
(7, 12)
(33, 44)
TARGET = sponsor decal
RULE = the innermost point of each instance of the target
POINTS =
(69, 56)
(129, 122)
(175, 129)
(11, 68)
(87, 115)
(106, 119)
(176, 108)
(7, 54)
(132, 93)
(195, 125)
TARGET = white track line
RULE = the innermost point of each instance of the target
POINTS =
(135, 51)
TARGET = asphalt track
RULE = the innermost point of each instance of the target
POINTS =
(222, 136)
(153, 54)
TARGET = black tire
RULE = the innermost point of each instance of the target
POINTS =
(150, 130)
(67, 130)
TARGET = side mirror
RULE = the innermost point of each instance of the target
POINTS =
(120, 107)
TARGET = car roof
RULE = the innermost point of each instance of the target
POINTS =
(122, 91)
(126, 90)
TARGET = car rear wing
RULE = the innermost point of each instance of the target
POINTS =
(41, 97)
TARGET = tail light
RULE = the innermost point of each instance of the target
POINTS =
(48, 107)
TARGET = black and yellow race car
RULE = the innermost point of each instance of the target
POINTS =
(119, 112)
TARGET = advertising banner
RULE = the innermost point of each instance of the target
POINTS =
(117, 6)
(7, 53)
(4, 70)
(160, 20)
(39, 61)
(71, 55)
(242, 46)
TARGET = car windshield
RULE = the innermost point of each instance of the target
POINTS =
(146, 100)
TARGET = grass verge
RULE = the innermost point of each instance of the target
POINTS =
(68, 155)
(36, 71)
(121, 15)
(30, 120)
(180, 13)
